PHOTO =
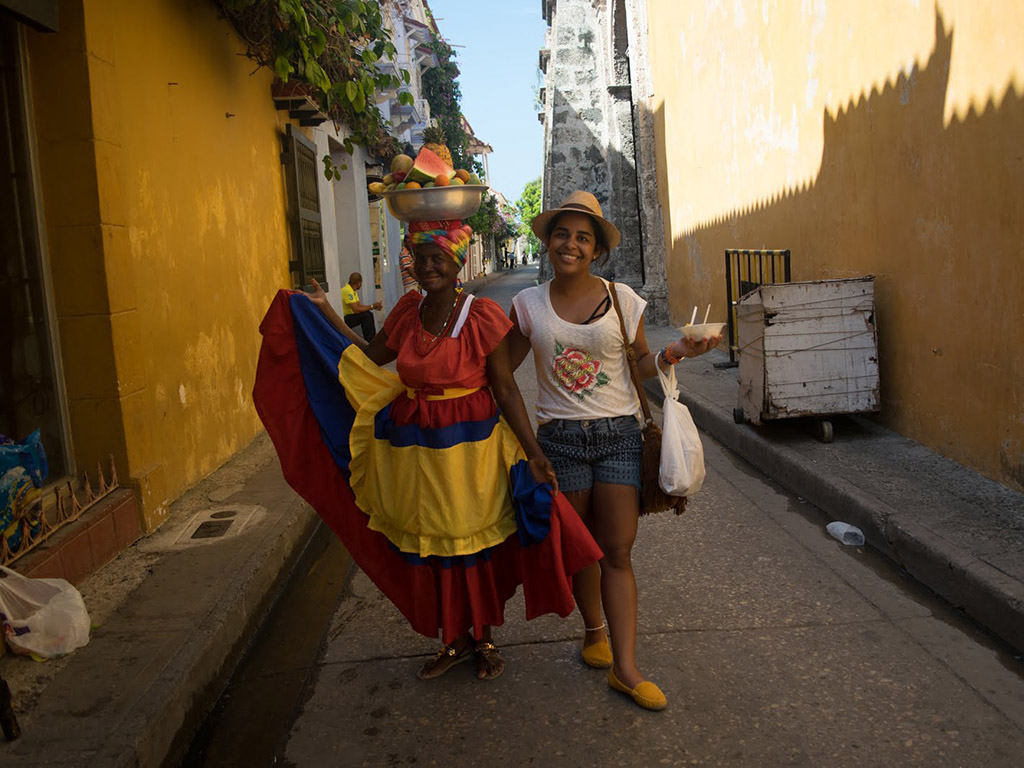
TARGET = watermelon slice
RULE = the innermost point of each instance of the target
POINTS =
(428, 167)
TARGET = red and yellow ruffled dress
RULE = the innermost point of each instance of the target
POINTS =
(418, 474)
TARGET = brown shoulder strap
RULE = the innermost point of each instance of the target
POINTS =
(634, 373)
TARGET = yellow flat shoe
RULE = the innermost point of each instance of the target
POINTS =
(646, 695)
(598, 655)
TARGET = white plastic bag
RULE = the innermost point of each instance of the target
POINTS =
(41, 617)
(682, 455)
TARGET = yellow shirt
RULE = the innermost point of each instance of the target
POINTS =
(349, 298)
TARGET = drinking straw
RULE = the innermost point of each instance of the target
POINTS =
(694, 315)
(706, 313)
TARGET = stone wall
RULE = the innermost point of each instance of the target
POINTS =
(590, 122)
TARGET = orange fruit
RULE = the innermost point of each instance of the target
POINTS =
(442, 181)
(412, 185)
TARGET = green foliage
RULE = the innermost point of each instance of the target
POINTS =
(528, 206)
(490, 222)
(333, 47)
(443, 94)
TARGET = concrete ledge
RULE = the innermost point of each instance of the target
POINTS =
(135, 694)
(985, 593)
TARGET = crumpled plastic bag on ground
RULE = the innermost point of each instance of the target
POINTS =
(41, 617)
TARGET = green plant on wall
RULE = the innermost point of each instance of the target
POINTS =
(442, 92)
(332, 46)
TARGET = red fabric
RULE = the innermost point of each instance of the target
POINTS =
(430, 596)
(451, 362)
(435, 414)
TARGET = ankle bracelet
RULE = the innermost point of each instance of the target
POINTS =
(593, 629)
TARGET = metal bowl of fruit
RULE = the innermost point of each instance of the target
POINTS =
(430, 203)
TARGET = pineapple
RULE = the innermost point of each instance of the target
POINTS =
(435, 139)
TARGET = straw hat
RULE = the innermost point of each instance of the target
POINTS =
(578, 202)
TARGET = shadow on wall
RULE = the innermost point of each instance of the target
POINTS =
(936, 213)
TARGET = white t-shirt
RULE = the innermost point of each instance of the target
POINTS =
(582, 371)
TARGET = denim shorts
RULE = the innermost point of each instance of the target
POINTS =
(593, 451)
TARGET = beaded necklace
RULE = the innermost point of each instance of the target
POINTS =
(426, 337)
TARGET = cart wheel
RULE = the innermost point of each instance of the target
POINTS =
(737, 415)
(824, 430)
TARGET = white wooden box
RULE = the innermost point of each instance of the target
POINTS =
(807, 349)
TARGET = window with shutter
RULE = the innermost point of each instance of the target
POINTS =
(304, 209)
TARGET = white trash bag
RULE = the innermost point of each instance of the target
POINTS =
(682, 454)
(41, 617)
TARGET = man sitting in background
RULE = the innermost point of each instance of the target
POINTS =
(355, 313)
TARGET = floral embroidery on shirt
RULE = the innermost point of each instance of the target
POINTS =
(578, 371)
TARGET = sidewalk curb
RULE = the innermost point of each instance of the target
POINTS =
(985, 593)
(146, 681)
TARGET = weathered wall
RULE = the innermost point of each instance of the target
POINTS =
(165, 208)
(870, 138)
(588, 142)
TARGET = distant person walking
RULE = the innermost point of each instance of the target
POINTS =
(587, 408)
(354, 312)
(405, 263)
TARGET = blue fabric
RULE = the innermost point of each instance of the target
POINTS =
(444, 437)
(29, 453)
(532, 503)
(466, 561)
(320, 346)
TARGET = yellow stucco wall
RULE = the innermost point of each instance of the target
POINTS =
(875, 137)
(169, 237)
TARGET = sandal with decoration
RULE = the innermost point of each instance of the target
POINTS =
(489, 663)
(444, 660)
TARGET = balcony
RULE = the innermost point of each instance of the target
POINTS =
(417, 32)
(543, 58)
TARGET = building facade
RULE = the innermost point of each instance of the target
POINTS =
(868, 138)
(163, 192)
(598, 132)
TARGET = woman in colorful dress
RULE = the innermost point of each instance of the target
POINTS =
(588, 410)
(423, 475)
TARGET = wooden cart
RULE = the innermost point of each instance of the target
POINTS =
(807, 349)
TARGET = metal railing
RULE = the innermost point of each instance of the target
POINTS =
(745, 269)
(32, 526)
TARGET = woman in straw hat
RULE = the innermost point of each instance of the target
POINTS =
(587, 408)
(421, 475)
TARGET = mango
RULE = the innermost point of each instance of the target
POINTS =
(401, 164)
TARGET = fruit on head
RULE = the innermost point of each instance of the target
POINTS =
(428, 167)
(398, 175)
(401, 164)
(463, 174)
(389, 180)
(435, 142)
(412, 185)
(457, 182)
(376, 188)
(442, 181)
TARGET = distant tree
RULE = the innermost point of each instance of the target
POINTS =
(528, 206)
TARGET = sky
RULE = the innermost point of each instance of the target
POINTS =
(498, 75)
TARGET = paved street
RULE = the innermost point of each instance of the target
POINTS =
(774, 644)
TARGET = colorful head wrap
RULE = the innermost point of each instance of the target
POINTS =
(451, 236)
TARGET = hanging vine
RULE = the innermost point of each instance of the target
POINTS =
(332, 46)
(442, 92)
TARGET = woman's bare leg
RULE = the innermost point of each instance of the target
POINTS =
(586, 584)
(615, 511)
